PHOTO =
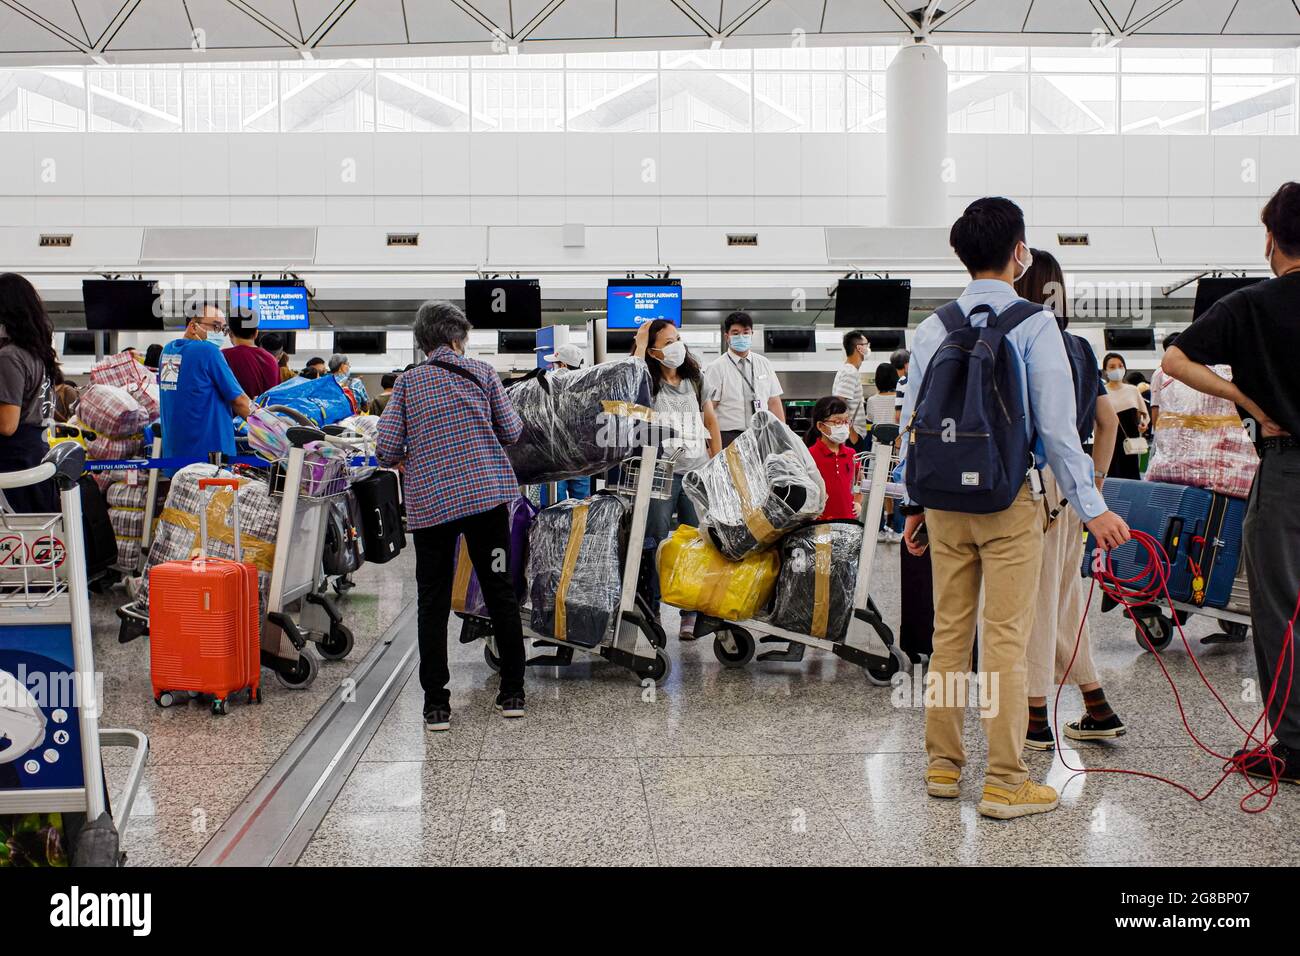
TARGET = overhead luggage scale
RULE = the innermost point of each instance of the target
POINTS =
(50, 738)
(869, 643)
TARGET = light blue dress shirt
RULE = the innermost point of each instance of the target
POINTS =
(1046, 384)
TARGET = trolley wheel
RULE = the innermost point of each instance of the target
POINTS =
(741, 649)
(254, 695)
(880, 670)
(656, 670)
(490, 656)
(301, 673)
(1158, 630)
(165, 699)
(219, 707)
(337, 644)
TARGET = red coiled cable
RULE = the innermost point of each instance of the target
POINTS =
(1146, 587)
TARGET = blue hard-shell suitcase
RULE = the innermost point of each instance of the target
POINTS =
(1175, 515)
(1218, 553)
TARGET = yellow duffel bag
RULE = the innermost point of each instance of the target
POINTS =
(696, 576)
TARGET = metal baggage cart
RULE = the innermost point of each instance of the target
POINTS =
(49, 690)
(869, 642)
(635, 639)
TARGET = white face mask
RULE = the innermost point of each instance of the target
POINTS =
(673, 354)
(1115, 374)
(218, 339)
(1025, 265)
(839, 434)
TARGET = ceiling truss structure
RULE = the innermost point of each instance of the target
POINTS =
(49, 32)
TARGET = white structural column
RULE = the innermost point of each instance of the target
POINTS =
(916, 138)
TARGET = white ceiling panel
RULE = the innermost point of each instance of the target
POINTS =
(654, 18)
(577, 20)
(496, 11)
(522, 13)
(98, 14)
(226, 29)
(312, 13)
(1264, 17)
(731, 9)
(438, 21)
(21, 34)
(369, 23)
(783, 17)
(1001, 16)
(61, 13)
(1193, 16)
(1063, 16)
(861, 16)
(1139, 10)
(155, 25)
(709, 10)
(280, 12)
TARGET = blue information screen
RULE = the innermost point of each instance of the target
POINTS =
(277, 305)
(629, 305)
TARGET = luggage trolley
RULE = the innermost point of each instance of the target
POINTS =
(297, 573)
(51, 761)
(869, 642)
(635, 639)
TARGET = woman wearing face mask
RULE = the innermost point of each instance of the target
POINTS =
(676, 383)
(1131, 408)
(828, 442)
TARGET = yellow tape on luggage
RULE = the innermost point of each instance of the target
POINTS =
(259, 553)
(755, 520)
(822, 538)
(460, 583)
(628, 410)
(1200, 423)
(571, 551)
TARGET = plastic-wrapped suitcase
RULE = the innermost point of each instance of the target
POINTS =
(1174, 515)
(574, 568)
(205, 621)
(1218, 553)
(381, 516)
(466, 598)
(819, 571)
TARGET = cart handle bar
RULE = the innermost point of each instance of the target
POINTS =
(218, 483)
(28, 476)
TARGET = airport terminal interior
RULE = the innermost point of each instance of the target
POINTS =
(552, 167)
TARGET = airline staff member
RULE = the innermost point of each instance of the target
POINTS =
(740, 382)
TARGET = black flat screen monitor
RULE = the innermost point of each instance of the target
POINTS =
(886, 341)
(503, 303)
(516, 342)
(1211, 289)
(873, 303)
(789, 340)
(79, 343)
(122, 305)
(360, 343)
(1129, 340)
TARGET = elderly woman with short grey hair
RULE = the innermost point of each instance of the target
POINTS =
(446, 424)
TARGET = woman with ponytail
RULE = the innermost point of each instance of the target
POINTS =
(28, 371)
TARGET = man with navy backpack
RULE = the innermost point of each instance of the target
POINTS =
(991, 403)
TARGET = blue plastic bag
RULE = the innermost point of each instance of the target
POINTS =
(320, 399)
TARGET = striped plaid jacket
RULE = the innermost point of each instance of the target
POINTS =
(449, 433)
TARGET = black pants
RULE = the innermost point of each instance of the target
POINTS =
(487, 537)
(729, 437)
(1272, 555)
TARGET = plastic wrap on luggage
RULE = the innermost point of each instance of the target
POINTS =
(1200, 441)
(580, 422)
(466, 597)
(819, 571)
(176, 536)
(111, 411)
(762, 486)
(696, 576)
(575, 568)
(268, 433)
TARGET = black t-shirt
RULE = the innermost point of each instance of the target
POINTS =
(1256, 330)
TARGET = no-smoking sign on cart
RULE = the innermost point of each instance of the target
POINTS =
(48, 552)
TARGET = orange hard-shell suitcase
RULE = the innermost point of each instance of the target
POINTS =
(204, 621)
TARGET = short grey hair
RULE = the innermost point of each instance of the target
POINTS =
(337, 361)
(439, 323)
(900, 359)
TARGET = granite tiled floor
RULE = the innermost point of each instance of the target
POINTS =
(789, 764)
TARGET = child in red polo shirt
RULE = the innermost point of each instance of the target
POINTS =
(835, 460)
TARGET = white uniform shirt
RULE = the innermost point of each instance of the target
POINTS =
(739, 387)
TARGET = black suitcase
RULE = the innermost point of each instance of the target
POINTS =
(378, 497)
(97, 528)
(344, 552)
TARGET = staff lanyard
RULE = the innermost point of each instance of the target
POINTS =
(749, 382)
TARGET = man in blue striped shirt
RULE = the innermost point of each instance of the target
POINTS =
(1002, 552)
(446, 424)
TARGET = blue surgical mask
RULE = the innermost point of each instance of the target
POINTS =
(340, 376)
(218, 339)
(741, 343)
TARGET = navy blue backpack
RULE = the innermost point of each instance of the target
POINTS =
(1083, 367)
(968, 449)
